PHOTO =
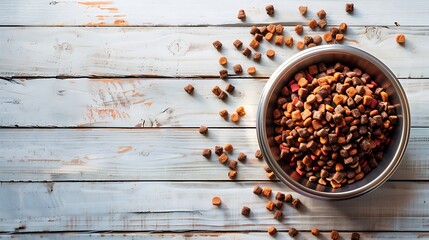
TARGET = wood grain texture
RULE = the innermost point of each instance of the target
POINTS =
(187, 51)
(148, 102)
(186, 206)
(194, 12)
(214, 236)
(149, 154)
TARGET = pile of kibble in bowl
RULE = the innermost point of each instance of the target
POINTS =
(332, 124)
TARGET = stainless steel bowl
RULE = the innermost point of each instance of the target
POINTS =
(331, 54)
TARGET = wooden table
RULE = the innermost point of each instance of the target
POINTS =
(99, 138)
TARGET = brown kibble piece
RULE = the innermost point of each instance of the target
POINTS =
(322, 24)
(223, 158)
(237, 68)
(327, 37)
(223, 113)
(272, 231)
(223, 60)
(278, 215)
(222, 95)
(216, 90)
(254, 43)
(217, 44)
(267, 192)
(321, 14)
(269, 206)
(240, 111)
(259, 37)
(245, 211)
(232, 174)
(300, 45)
(216, 200)
(271, 176)
(269, 9)
(229, 88)
(232, 165)
(308, 40)
(207, 152)
(254, 30)
(241, 14)
(288, 198)
(271, 28)
(296, 203)
(289, 41)
(218, 150)
(267, 169)
(292, 232)
(257, 56)
(299, 29)
(223, 73)
(203, 129)
(228, 148)
(257, 190)
(246, 52)
(251, 70)
(242, 157)
(343, 27)
(258, 154)
(237, 44)
(400, 38)
(339, 37)
(189, 88)
(317, 39)
(270, 53)
(278, 40)
(312, 24)
(235, 118)
(355, 236)
(335, 235)
(349, 7)
(302, 10)
(279, 29)
(315, 231)
(269, 36)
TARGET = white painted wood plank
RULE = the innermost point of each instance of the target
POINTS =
(156, 102)
(194, 12)
(167, 51)
(150, 154)
(215, 236)
(186, 206)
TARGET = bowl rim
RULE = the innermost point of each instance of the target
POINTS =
(262, 133)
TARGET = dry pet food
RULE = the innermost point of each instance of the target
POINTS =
(207, 152)
(322, 24)
(228, 148)
(232, 174)
(269, 206)
(258, 154)
(237, 68)
(300, 45)
(229, 88)
(296, 203)
(223, 158)
(241, 157)
(279, 29)
(245, 211)
(343, 27)
(251, 70)
(269, 9)
(241, 14)
(216, 90)
(278, 40)
(400, 38)
(270, 53)
(216, 200)
(246, 52)
(257, 56)
(271, 175)
(269, 36)
(189, 88)
(289, 41)
(335, 235)
(312, 24)
(278, 215)
(254, 30)
(321, 14)
(217, 44)
(268, 170)
(218, 150)
(299, 29)
(302, 10)
(232, 164)
(315, 231)
(237, 44)
(293, 232)
(257, 190)
(240, 111)
(355, 236)
(223, 113)
(267, 192)
(235, 118)
(272, 231)
(254, 43)
(223, 73)
(349, 7)
(203, 129)
(223, 60)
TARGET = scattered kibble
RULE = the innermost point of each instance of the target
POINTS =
(232, 174)
(241, 14)
(229, 88)
(350, 7)
(237, 44)
(296, 203)
(315, 231)
(271, 176)
(254, 43)
(292, 232)
(232, 164)
(270, 53)
(267, 192)
(299, 29)
(203, 129)
(312, 24)
(268, 170)
(269, 9)
(240, 111)
(278, 204)
(308, 40)
(279, 29)
(246, 52)
(228, 148)
(335, 235)
(342, 27)
(355, 236)
(317, 39)
(251, 70)
(234, 117)
(223, 60)
(223, 113)
(278, 215)
(245, 211)
(223, 73)
(302, 10)
(321, 14)
(207, 152)
(217, 44)
(339, 37)
(257, 56)
(272, 231)
(300, 45)
(218, 150)
(216, 90)
(257, 190)
(242, 157)
(269, 36)
(269, 206)
(288, 198)
(327, 37)
(271, 28)
(237, 68)
(222, 95)
(223, 158)
(400, 38)
(322, 24)
(189, 88)
(216, 200)
(254, 30)
(289, 41)
(258, 154)
(278, 40)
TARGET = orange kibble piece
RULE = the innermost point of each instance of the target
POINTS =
(400, 38)
(251, 70)
(216, 200)
(267, 192)
(240, 111)
(269, 36)
(339, 37)
(223, 60)
(254, 43)
(279, 29)
(328, 37)
(270, 53)
(278, 40)
(289, 41)
(300, 45)
(312, 24)
(235, 118)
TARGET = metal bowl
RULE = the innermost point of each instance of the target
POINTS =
(353, 57)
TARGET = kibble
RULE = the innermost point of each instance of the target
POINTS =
(237, 44)
(269, 36)
(223, 158)
(271, 28)
(217, 44)
(335, 235)
(269, 206)
(299, 29)
(229, 88)
(268, 170)
(342, 27)
(302, 10)
(235, 117)
(288, 198)
(349, 7)
(300, 45)
(216, 90)
(232, 174)
(315, 231)
(223, 60)
(254, 43)
(246, 52)
(189, 88)
(223, 73)
(327, 37)
(296, 203)
(289, 41)
(271, 176)
(312, 24)
(251, 70)
(228, 148)
(254, 30)
(400, 38)
(355, 236)
(232, 164)
(257, 56)
(278, 40)
(245, 211)
(266, 192)
(241, 14)
(222, 95)
(216, 201)
(257, 190)
(317, 39)
(269, 9)
(240, 111)
(278, 215)
(293, 232)
(321, 14)
(223, 113)
(238, 69)
(258, 154)
(339, 37)
(207, 152)
(203, 129)
(322, 23)
(270, 53)
(218, 150)
(272, 231)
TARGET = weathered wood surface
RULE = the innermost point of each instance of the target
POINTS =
(186, 206)
(148, 102)
(187, 51)
(194, 12)
(216, 236)
(149, 154)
